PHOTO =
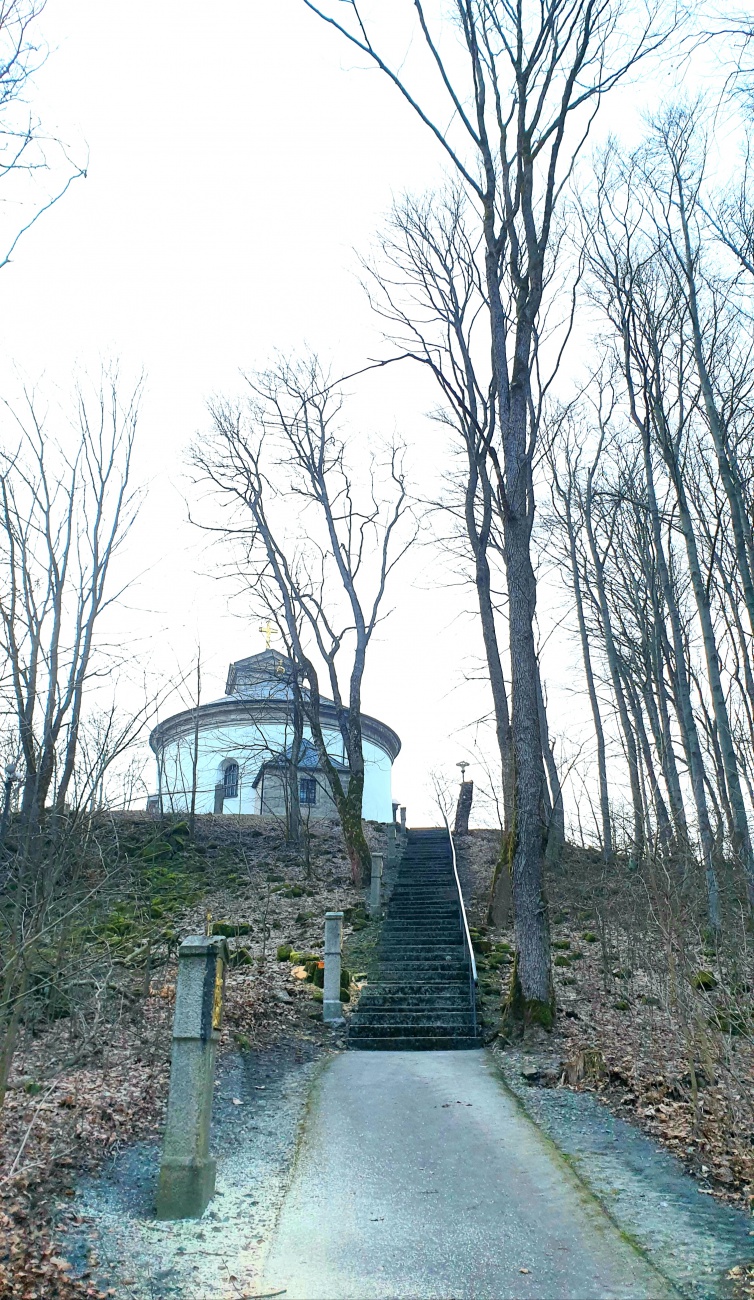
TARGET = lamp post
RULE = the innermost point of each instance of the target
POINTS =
(463, 807)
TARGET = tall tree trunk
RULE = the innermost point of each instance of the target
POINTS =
(741, 837)
(195, 751)
(615, 676)
(607, 831)
(556, 811)
(293, 808)
(682, 690)
(532, 992)
(664, 829)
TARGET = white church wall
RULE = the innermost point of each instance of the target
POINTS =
(249, 746)
(377, 803)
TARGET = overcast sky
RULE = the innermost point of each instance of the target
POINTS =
(238, 160)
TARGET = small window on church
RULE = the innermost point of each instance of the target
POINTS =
(307, 790)
(230, 781)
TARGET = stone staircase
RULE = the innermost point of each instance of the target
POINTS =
(422, 999)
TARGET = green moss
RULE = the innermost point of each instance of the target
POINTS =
(230, 929)
(157, 851)
(539, 1013)
(241, 957)
(730, 1023)
(524, 1012)
(562, 944)
(562, 961)
(622, 1005)
(589, 936)
(284, 952)
(703, 980)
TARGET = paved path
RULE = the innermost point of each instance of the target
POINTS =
(419, 1177)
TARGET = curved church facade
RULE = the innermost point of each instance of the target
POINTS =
(245, 744)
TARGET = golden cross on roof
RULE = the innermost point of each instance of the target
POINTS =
(268, 631)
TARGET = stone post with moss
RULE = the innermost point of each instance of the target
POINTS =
(375, 890)
(332, 1011)
(187, 1173)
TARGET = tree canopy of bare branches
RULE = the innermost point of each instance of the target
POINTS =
(27, 154)
(319, 542)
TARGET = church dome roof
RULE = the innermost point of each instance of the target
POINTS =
(259, 689)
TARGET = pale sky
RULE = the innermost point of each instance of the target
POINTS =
(238, 161)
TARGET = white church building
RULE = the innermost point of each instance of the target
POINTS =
(245, 747)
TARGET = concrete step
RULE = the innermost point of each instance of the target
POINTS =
(423, 921)
(437, 1005)
(418, 1022)
(415, 962)
(418, 915)
(398, 949)
(444, 1043)
(440, 993)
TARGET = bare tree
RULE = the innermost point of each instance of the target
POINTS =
(428, 285)
(63, 517)
(522, 103)
(319, 548)
(26, 153)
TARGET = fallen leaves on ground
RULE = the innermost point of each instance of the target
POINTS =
(61, 1119)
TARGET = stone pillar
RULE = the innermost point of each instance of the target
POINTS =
(395, 812)
(187, 1174)
(332, 1011)
(392, 846)
(375, 892)
(403, 820)
(463, 808)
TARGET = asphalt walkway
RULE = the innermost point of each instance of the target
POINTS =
(418, 1176)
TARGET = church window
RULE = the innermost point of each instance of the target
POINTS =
(307, 790)
(230, 781)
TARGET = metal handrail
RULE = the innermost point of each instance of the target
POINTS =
(464, 923)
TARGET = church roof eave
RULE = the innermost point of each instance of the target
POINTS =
(237, 711)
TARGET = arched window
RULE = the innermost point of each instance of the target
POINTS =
(230, 780)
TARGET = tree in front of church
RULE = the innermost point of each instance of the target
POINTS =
(320, 523)
(509, 93)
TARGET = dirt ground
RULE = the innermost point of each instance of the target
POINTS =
(77, 1099)
(635, 1024)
